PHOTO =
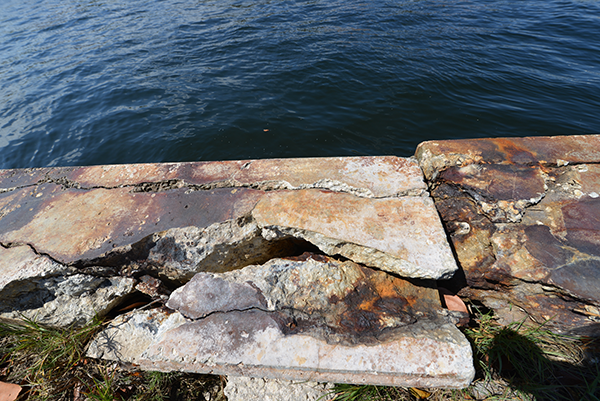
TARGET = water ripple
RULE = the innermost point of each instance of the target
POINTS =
(115, 81)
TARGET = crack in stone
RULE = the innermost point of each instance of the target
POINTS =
(293, 321)
(266, 186)
(497, 211)
(16, 244)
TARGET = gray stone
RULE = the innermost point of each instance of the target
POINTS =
(183, 252)
(64, 300)
(260, 389)
(306, 318)
(21, 263)
(35, 287)
(129, 335)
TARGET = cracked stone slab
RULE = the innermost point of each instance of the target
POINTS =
(17, 178)
(306, 318)
(21, 263)
(98, 211)
(368, 176)
(400, 235)
(71, 224)
(522, 215)
(36, 287)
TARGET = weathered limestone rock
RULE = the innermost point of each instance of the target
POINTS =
(176, 219)
(366, 176)
(523, 216)
(74, 225)
(338, 224)
(35, 287)
(128, 336)
(179, 253)
(104, 214)
(85, 237)
(20, 263)
(307, 318)
(357, 228)
(260, 389)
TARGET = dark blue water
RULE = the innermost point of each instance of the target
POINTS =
(125, 81)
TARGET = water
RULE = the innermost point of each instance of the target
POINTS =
(126, 81)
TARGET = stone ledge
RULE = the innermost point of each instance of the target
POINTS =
(521, 215)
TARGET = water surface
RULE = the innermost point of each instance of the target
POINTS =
(87, 82)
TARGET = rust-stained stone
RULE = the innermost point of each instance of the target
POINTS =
(367, 176)
(82, 213)
(304, 318)
(399, 235)
(351, 300)
(73, 224)
(523, 212)
(436, 156)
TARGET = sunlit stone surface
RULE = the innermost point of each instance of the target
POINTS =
(523, 215)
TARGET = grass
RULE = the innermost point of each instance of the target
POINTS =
(516, 362)
(50, 364)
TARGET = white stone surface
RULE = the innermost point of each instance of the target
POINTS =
(260, 389)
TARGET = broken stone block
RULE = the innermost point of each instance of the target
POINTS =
(260, 389)
(522, 215)
(21, 263)
(179, 253)
(74, 225)
(109, 215)
(305, 318)
(400, 235)
(35, 287)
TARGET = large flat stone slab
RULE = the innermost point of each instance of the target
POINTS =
(366, 176)
(72, 224)
(522, 214)
(400, 235)
(87, 215)
(307, 318)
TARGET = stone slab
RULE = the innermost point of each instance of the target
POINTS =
(522, 215)
(367, 176)
(35, 287)
(400, 235)
(436, 156)
(97, 213)
(73, 224)
(308, 318)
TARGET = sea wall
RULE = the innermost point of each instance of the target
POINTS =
(323, 269)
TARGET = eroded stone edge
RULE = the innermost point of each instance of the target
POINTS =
(169, 182)
(150, 353)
